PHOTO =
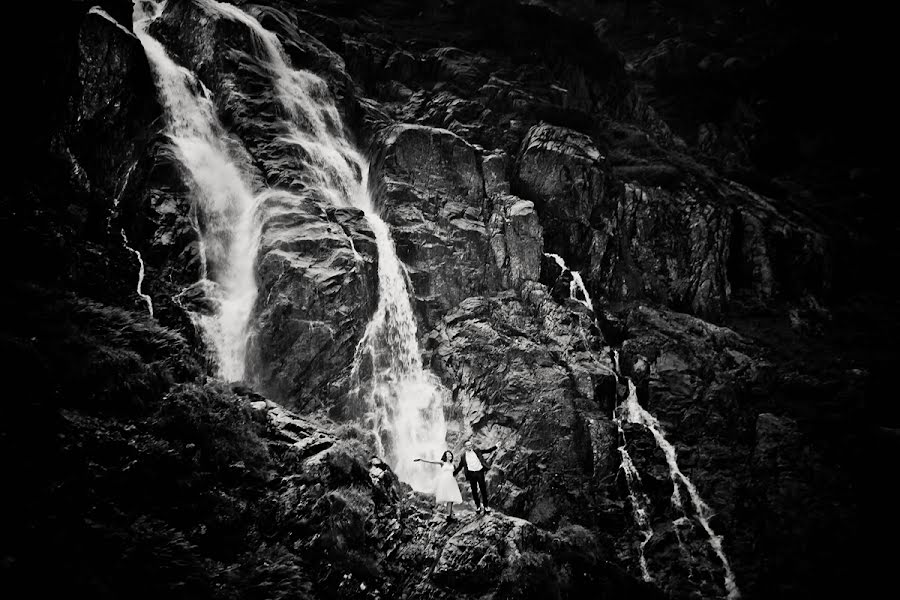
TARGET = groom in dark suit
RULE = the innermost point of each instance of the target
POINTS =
(475, 465)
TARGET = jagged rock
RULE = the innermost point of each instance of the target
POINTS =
(317, 283)
(588, 209)
(559, 169)
(434, 198)
(597, 178)
(516, 239)
(529, 378)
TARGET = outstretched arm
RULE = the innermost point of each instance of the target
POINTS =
(462, 463)
(488, 450)
(431, 462)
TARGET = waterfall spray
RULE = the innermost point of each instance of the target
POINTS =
(223, 201)
(404, 401)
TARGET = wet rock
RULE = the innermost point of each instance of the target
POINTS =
(530, 379)
(516, 239)
(317, 285)
(589, 208)
(433, 196)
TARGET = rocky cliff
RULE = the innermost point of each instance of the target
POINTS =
(500, 134)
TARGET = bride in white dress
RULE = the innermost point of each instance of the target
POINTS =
(447, 489)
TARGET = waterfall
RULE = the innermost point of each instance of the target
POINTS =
(224, 205)
(116, 200)
(404, 401)
(576, 286)
(640, 503)
(633, 412)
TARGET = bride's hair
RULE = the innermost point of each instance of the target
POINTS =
(445, 458)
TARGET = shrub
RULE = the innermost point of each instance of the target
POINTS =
(268, 573)
(221, 427)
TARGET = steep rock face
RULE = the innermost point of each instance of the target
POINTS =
(113, 106)
(662, 231)
(315, 294)
(731, 413)
(434, 197)
(316, 262)
(524, 373)
(517, 240)
(640, 220)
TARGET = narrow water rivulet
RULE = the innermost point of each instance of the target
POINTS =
(630, 411)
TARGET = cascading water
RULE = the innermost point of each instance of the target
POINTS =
(640, 504)
(405, 402)
(140, 280)
(224, 205)
(633, 412)
(576, 286)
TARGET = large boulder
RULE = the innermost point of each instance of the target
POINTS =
(317, 285)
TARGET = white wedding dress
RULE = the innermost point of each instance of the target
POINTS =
(447, 490)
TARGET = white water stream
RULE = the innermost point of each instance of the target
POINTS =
(405, 402)
(576, 286)
(631, 411)
(224, 204)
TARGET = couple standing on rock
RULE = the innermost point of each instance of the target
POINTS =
(474, 465)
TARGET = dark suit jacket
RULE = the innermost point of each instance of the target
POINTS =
(478, 452)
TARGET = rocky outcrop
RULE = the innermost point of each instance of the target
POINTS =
(662, 231)
(353, 519)
(317, 284)
(433, 194)
(525, 373)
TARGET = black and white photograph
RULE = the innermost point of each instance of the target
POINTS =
(449, 300)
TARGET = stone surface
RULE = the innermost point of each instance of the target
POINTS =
(433, 196)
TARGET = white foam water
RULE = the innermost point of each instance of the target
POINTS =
(632, 412)
(576, 286)
(404, 400)
(640, 503)
(224, 205)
